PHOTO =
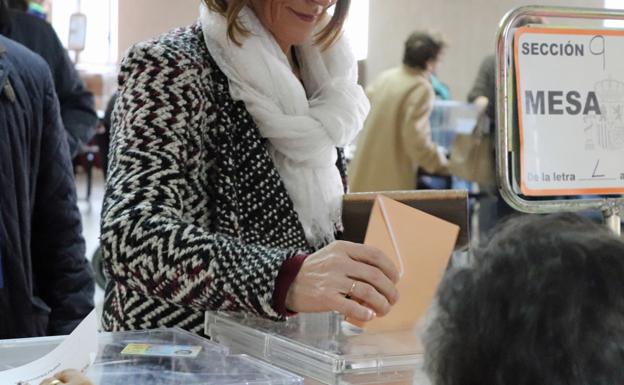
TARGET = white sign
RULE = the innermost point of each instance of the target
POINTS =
(570, 85)
(77, 32)
(77, 352)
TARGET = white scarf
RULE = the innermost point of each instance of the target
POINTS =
(303, 131)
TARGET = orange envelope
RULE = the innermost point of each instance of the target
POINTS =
(420, 245)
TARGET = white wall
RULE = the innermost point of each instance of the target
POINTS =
(143, 19)
(469, 26)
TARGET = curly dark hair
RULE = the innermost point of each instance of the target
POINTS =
(420, 47)
(542, 303)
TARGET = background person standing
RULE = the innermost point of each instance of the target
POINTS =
(396, 139)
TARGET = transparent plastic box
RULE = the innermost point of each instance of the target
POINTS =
(213, 364)
(449, 118)
(210, 365)
(323, 348)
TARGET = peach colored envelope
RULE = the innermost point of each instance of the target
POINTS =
(420, 245)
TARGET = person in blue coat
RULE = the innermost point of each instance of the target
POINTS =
(46, 284)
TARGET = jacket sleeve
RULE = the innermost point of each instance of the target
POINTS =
(148, 244)
(77, 104)
(484, 84)
(63, 277)
(371, 91)
(416, 132)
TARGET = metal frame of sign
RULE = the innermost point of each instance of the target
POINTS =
(508, 137)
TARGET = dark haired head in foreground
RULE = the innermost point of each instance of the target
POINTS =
(541, 303)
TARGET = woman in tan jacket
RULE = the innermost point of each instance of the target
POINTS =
(396, 139)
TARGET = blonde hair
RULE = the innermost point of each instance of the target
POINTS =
(231, 8)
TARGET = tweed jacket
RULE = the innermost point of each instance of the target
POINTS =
(195, 215)
(396, 139)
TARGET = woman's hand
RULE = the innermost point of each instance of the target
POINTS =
(353, 279)
(68, 377)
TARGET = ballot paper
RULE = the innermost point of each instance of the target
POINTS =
(420, 245)
(77, 351)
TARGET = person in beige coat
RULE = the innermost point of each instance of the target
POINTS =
(396, 139)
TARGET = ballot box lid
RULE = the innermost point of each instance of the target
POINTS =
(322, 347)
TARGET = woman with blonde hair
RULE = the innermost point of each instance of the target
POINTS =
(226, 175)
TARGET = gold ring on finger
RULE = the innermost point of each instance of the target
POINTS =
(351, 290)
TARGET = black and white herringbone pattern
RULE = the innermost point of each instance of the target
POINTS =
(195, 214)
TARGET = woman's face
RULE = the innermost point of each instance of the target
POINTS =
(290, 21)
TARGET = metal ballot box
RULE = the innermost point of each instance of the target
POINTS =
(323, 348)
(163, 356)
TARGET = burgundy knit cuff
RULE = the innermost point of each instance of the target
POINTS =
(287, 274)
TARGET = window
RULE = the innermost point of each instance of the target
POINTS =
(356, 27)
(614, 4)
(101, 36)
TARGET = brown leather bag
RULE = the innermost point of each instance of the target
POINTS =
(472, 155)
